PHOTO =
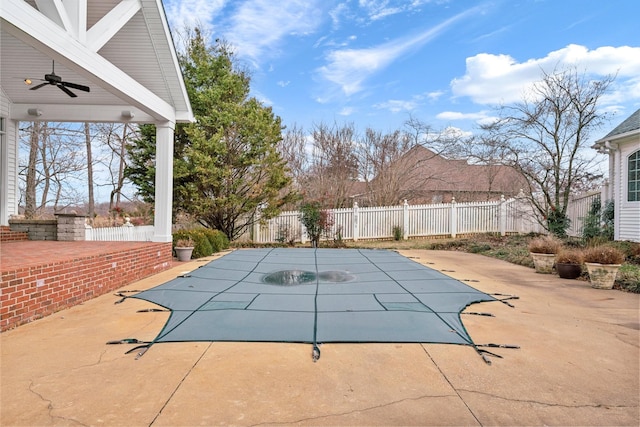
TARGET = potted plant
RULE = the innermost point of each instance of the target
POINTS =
(569, 263)
(543, 251)
(184, 248)
(603, 263)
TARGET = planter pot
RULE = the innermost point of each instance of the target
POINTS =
(543, 262)
(602, 276)
(184, 254)
(568, 271)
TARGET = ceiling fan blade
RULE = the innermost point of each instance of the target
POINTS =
(39, 86)
(76, 86)
(67, 91)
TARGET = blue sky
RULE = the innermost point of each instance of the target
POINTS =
(374, 63)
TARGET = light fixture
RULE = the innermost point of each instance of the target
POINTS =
(27, 81)
(127, 114)
(34, 112)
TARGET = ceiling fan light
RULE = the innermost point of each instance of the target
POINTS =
(27, 81)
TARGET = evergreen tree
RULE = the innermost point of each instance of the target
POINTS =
(228, 173)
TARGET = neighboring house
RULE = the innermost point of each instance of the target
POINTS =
(422, 176)
(121, 50)
(622, 145)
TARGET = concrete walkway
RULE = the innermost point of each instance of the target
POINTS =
(578, 365)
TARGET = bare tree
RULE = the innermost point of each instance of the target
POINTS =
(52, 169)
(31, 169)
(545, 138)
(115, 137)
(333, 167)
(91, 203)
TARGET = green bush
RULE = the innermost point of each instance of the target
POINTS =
(397, 233)
(628, 278)
(218, 240)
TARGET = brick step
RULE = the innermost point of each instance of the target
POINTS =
(6, 235)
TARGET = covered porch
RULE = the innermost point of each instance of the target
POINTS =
(98, 62)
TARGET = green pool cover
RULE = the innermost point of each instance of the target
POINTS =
(314, 296)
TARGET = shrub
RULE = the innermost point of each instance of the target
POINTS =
(397, 233)
(545, 245)
(628, 278)
(184, 243)
(217, 239)
(316, 220)
(604, 255)
(558, 222)
(570, 256)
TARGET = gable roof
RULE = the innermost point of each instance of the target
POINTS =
(630, 124)
(122, 50)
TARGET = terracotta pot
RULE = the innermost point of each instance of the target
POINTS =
(568, 271)
(543, 262)
(602, 276)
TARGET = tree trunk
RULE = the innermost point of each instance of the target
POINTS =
(30, 192)
(91, 206)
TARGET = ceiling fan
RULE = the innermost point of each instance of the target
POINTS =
(54, 79)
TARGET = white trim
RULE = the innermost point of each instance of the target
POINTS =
(102, 31)
(32, 27)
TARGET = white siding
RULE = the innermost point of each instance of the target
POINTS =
(629, 212)
(8, 165)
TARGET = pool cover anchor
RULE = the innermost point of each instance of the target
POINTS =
(484, 353)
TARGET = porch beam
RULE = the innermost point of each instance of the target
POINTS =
(109, 25)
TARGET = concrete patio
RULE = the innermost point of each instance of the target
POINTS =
(579, 364)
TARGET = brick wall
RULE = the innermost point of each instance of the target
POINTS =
(30, 293)
(6, 235)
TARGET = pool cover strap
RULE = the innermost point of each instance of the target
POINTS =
(315, 296)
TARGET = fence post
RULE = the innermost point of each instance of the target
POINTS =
(454, 218)
(405, 220)
(503, 216)
(355, 225)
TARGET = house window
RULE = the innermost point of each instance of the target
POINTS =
(633, 183)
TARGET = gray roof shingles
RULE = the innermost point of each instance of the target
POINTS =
(630, 124)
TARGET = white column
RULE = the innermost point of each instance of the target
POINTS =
(164, 182)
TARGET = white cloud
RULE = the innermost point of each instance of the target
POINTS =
(397, 105)
(349, 68)
(493, 79)
(481, 117)
(183, 14)
(347, 111)
(282, 83)
(258, 26)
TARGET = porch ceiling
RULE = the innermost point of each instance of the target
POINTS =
(128, 61)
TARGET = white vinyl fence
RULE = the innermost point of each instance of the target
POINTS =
(577, 210)
(142, 233)
(447, 219)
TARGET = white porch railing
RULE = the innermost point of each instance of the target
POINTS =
(142, 233)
